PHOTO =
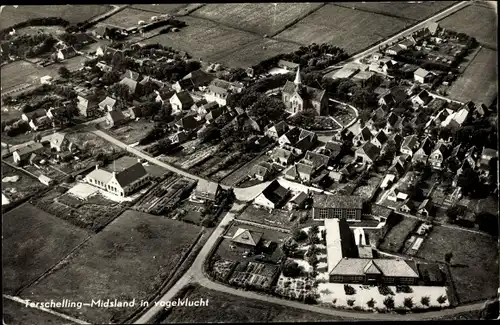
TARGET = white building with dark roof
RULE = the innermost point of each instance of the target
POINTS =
(298, 97)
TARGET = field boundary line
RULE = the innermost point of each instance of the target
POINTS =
(50, 311)
(381, 12)
(298, 19)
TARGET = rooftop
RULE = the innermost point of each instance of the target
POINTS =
(337, 201)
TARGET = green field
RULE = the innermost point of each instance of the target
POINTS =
(479, 81)
(129, 259)
(352, 30)
(401, 9)
(34, 241)
(226, 308)
(128, 17)
(162, 8)
(15, 313)
(261, 18)
(475, 256)
(478, 20)
(72, 13)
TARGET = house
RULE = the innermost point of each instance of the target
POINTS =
(484, 162)
(316, 160)
(207, 191)
(396, 138)
(480, 111)
(277, 130)
(29, 116)
(368, 153)
(425, 208)
(298, 97)
(377, 117)
(433, 28)
(386, 100)
(364, 78)
(109, 104)
(388, 180)
(52, 112)
(394, 50)
(439, 155)
(287, 65)
(422, 99)
(407, 207)
(298, 201)
(193, 80)
(164, 94)
(181, 101)
(409, 145)
(129, 74)
(300, 171)
(407, 43)
(261, 171)
(337, 206)
(187, 123)
(273, 196)
(104, 67)
(60, 142)
(216, 112)
(179, 137)
(346, 72)
(363, 136)
(134, 112)
(115, 118)
(379, 139)
(218, 90)
(282, 156)
(424, 151)
(66, 53)
(456, 119)
(246, 237)
(421, 75)
(45, 180)
(130, 84)
(99, 51)
(46, 80)
(298, 140)
(393, 123)
(333, 149)
(120, 183)
(84, 104)
(22, 155)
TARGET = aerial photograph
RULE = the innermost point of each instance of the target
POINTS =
(249, 162)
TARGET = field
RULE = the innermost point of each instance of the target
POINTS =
(350, 29)
(129, 259)
(476, 20)
(205, 39)
(413, 11)
(15, 313)
(17, 73)
(28, 252)
(163, 8)
(72, 13)
(132, 132)
(23, 187)
(223, 307)
(278, 218)
(479, 81)
(396, 236)
(260, 18)
(475, 256)
(128, 18)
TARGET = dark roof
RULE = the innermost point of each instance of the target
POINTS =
(299, 198)
(131, 174)
(398, 93)
(30, 148)
(333, 148)
(427, 146)
(305, 92)
(424, 96)
(281, 128)
(397, 167)
(392, 119)
(199, 77)
(370, 150)
(322, 201)
(316, 159)
(185, 98)
(443, 148)
(116, 116)
(381, 137)
(187, 123)
(366, 134)
(388, 98)
(410, 142)
(260, 170)
(275, 193)
(378, 114)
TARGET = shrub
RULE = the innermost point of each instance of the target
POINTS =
(349, 290)
(385, 290)
(408, 302)
(441, 299)
(350, 302)
(404, 288)
(425, 300)
(389, 302)
(370, 303)
(334, 301)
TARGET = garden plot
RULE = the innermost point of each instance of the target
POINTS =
(295, 287)
(222, 269)
(253, 274)
(17, 185)
(366, 191)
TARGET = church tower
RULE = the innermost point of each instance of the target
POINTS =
(297, 80)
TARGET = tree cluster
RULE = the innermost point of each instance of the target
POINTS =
(46, 21)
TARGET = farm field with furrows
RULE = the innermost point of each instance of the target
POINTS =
(128, 17)
(261, 18)
(28, 252)
(350, 29)
(478, 20)
(129, 259)
(72, 13)
(401, 9)
(17, 74)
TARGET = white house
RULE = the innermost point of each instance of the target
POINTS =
(46, 80)
(120, 183)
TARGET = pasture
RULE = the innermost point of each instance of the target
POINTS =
(260, 18)
(477, 20)
(479, 81)
(128, 17)
(72, 13)
(15, 313)
(18, 74)
(28, 252)
(474, 265)
(129, 259)
(353, 30)
(403, 9)
(23, 187)
(162, 8)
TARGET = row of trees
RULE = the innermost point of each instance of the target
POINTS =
(46, 21)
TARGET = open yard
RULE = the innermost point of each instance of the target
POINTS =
(474, 265)
(17, 74)
(236, 178)
(478, 20)
(15, 313)
(129, 259)
(366, 191)
(132, 132)
(128, 17)
(17, 185)
(350, 29)
(479, 81)
(223, 307)
(277, 218)
(72, 13)
(414, 11)
(92, 143)
(29, 251)
(261, 18)
(395, 238)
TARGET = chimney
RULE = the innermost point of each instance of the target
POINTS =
(96, 166)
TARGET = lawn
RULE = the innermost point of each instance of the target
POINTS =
(479, 81)
(91, 143)
(226, 308)
(15, 313)
(366, 191)
(129, 259)
(22, 187)
(260, 18)
(477, 20)
(132, 132)
(128, 17)
(395, 238)
(475, 256)
(352, 30)
(17, 74)
(406, 10)
(277, 218)
(205, 39)
(241, 173)
(28, 252)
(72, 13)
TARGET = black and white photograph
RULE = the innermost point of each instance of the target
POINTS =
(244, 162)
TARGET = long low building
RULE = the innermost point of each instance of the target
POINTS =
(337, 206)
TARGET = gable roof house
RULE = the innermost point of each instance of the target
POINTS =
(480, 110)
(425, 208)
(394, 50)
(277, 130)
(424, 151)
(438, 155)
(179, 137)
(298, 140)
(300, 171)
(261, 171)
(379, 139)
(282, 156)
(396, 138)
(115, 118)
(433, 28)
(108, 104)
(187, 123)
(287, 65)
(333, 149)
(273, 196)
(363, 136)
(84, 104)
(193, 80)
(129, 74)
(60, 142)
(377, 116)
(316, 160)
(422, 99)
(66, 53)
(368, 153)
(409, 145)
(422, 76)
(181, 101)
(22, 155)
(206, 190)
(131, 85)
(218, 90)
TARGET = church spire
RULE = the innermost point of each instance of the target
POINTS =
(298, 81)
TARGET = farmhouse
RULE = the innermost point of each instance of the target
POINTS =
(115, 118)
(346, 72)
(120, 183)
(337, 206)
(421, 75)
(409, 145)
(300, 171)
(367, 153)
(181, 101)
(60, 142)
(207, 191)
(108, 104)
(194, 79)
(218, 90)
(298, 97)
(422, 99)
(282, 156)
(261, 171)
(277, 130)
(187, 123)
(298, 201)
(23, 154)
(84, 104)
(287, 65)
(298, 140)
(246, 237)
(273, 196)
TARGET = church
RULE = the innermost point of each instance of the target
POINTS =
(298, 97)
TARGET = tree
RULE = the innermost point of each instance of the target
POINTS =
(292, 269)
(119, 91)
(64, 72)
(371, 303)
(408, 302)
(453, 212)
(488, 223)
(425, 300)
(289, 246)
(37, 137)
(110, 78)
(389, 302)
(350, 302)
(314, 231)
(209, 134)
(441, 299)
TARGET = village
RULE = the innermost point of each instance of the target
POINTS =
(342, 183)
